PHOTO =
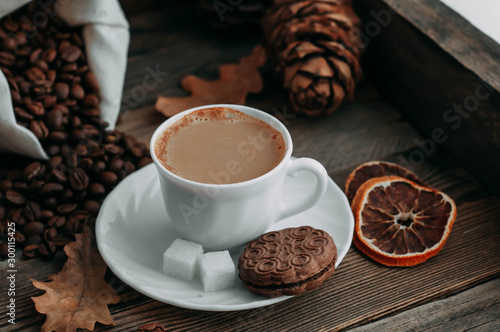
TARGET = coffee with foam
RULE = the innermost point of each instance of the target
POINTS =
(219, 146)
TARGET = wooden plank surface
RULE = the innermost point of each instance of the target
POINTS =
(361, 291)
(477, 309)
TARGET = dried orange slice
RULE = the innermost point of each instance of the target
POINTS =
(375, 169)
(399, 222)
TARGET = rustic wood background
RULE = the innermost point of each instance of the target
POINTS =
(429, 62)
(458, 289)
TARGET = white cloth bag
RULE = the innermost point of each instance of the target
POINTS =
(106, 36)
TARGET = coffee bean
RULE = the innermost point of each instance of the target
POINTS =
(33, 170)
(116, 164)
(92, 206)
(72, 227)
(65, 209)
(34, 74)
(62, 90)
(78, 179)
(51, 77)
(92, 112)
(31, 251)
(99, 166)
(63, 108)
(91, 101)
(7, 59)
(22, 114)
(32, 211)
(42, 65)
(91, 82)
(50, 234)
(69, 68)
(129, 167)
(49, 55)
(35, 186)
(72, 160)
(56, 221)
(39, 129)
(113, 149)
(25, 88)
(66, 150)
(76, 122)
(108, 178)
(71, 53)
(47, 249)
(51, 188)
(58, 136)
(58, 176)
(60, 242)
(16, 97)
(86, 164)
(36, 108)
(20, 186)
(54, 119)
(52, 150)
(15, 197)
(78, 135)
(54, 162)
(137, 151)
(49, 100)
(46, 214)
(96, 189)
(82, 149)
(19, 237)
(33, 228)
(77, 91)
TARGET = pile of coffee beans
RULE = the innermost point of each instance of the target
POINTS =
(56, 96)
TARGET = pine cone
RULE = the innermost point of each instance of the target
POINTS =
(316, 45)
(242, 17)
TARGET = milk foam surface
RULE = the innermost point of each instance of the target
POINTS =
(220, 146)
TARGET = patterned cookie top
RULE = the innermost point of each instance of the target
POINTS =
(286, 256)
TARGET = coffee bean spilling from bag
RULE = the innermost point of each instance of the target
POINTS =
(56, 96)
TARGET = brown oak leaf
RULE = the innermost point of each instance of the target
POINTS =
(234, 84)
(78, 295)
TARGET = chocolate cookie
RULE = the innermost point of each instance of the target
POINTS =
(287, 262)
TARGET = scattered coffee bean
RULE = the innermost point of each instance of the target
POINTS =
(32, 170)
(15, 197)
(56, 96)
(47, 249)
(78, 179)
(33, 228)
(108, 178)
(51, 188)
(31, 251)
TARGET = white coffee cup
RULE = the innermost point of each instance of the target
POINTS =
(227, 216)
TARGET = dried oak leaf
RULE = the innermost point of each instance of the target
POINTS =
(78, 295)
(234, 84)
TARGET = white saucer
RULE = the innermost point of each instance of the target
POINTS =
(133, 232)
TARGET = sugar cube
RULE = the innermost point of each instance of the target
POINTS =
(181, 260)
(217, 271)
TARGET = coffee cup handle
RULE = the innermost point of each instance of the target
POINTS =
(308, 165)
